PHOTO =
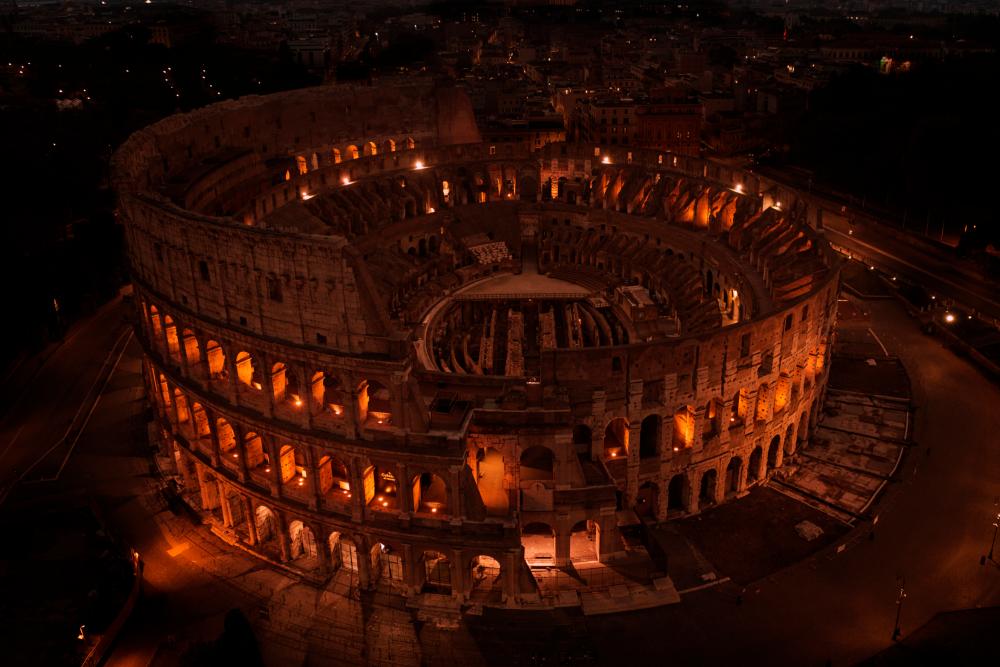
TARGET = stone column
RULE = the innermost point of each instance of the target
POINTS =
(404, 492)
(233, 379)
(698, 429)
(274, 457)
(510, 570)
(322, 548)
(458, 575)
(364, 562)
(305, 395)
(267, 385)
(455, 493)
(410, 571)
(357, 491)
(213, 434)
(227, 512)
(281, 526)
(632, 472)
(563, 534)
(607, 545)
(241, 451)
(316, 495)
(251, 516)
(693, 490)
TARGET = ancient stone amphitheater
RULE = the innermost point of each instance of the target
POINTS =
(383, 350)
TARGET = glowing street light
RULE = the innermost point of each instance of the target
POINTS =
(605, 160)
(949, 318)
(738, 188)
(996, 526)
(419, 164)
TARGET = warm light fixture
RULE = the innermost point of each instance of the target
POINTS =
(605, 160)
(419, 164)
(434, 510)
(738, 188)
(346, 180)
(949, 318)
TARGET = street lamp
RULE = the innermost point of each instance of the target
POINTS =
(899, 608)
(996, 526)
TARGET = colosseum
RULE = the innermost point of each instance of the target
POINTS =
(380, 348)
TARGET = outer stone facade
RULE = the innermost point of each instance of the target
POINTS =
(376, 344)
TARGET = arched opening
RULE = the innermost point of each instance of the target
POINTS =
(753, 467)
(333, 543)
(430, 494)
(371, 148)
(683, 428)
(181, 405)
(390, 145)
(649, 437)
(348, 554)
(199, 422)
(173, 341)
(265, 523)
(285, 386)
(352, 152)
(246, 370)
(537, 464)
(157, 325)
(616, 438)
(227, 438)
(706, 495)
(582, 440)
(410, 144)
(733, 476)
(490, 473)
(380, 488)
(738, 409)
(374, 403)
(293, 470)
(790, 440)
(647, 500)
(387, 564)
(772, 452)
(334, 479)
(303, 542)
(711, 426)
(336, 155)
(484, 574)
(677, 494)
(583, 542)
(539, 542)
(437, 573)
(254, 448)
(300, 165)
(216, 360)
(192, 351)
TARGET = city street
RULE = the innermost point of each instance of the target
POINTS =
(45, 411)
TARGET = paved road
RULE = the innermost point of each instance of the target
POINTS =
(60, 395)
(936, 271)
